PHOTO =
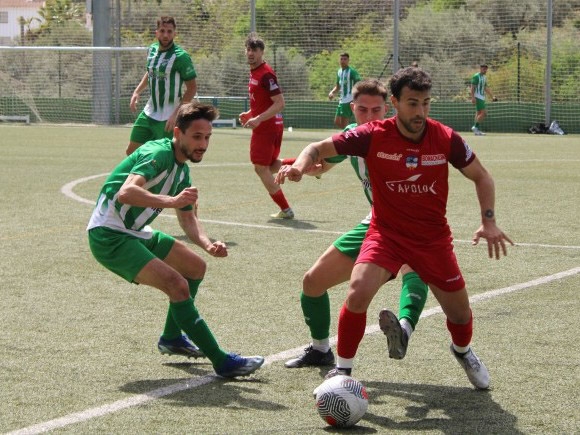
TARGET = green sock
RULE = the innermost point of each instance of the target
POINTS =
(476, 125)
(413, 298)
(172, 330)
(189, 320)
(316, 315)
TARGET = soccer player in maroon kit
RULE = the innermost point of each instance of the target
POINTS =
(407, 157)
(265, 120)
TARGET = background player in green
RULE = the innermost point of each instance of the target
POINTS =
(335, 265)
(479, 89)
(168, 68)
(150, 179)
(346, 77)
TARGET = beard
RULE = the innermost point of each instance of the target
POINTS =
(411, 127)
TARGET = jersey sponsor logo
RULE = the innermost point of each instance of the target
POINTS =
(381, 155)
(433, 159)
(352, 133)
(409, 185)
(253, 82)
(156, 210)
(412, 162)
(273, 85)
(468, 151)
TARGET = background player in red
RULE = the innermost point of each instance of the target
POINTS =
(265, 120)
(407, 157)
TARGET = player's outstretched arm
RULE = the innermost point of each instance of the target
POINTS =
(485, 188)
(308, 157)
(133, 193)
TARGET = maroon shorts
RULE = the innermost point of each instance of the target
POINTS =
(435, 263)
(265, 146)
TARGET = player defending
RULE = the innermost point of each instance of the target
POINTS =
(335, 265)
(152, 178)
(265, 120)
(407, 157)
(168, 67)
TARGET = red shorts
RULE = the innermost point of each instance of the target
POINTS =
(265, 146)
(435, 263)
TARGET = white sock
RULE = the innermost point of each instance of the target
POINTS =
(344, 363)
(461, 349)
(406, 325)
(321, 345)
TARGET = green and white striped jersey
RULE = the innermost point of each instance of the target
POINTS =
(166, 70)
(360, 168)
(156, 162)
(345, 79)
(479, 81)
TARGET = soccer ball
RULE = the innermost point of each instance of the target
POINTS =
(341, 401)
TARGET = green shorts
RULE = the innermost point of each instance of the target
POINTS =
(479, 104)
(349, 243)
(127, 255)
(344, 110)
(146, 129)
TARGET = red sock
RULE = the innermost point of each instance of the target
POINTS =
(288, 161)
(461, 334)
(351, 329)
(280, 199)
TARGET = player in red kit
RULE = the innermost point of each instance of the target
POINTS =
(408, 159)
(265, 120)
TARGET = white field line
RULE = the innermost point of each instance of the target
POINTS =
(140, 399)
(67, 190)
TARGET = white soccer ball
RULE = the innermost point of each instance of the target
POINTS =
(341, 401)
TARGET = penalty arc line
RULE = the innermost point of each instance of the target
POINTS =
(67, 190)
(140, 399)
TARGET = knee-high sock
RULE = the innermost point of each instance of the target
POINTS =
(280, 199)
(316, 312)
(351, 329)
(171, 330)
(188, 319)
(461, 334)
(413, 298)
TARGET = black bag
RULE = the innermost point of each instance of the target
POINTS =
(539, 128)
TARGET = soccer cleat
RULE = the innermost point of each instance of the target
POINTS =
(331, 374)
(236, 365)
(283, 214)
(397, 339)
(474, 368)
(179, 346)
(311, 357)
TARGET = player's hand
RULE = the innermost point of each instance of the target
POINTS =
(244, 117)
(170, 122)
(495, 237)
(218, 249)
(494, 99)
(187, 196)
(289, 172)
(330, 95)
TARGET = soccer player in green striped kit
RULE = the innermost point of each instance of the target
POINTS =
(154, 177)
(335, 265)
(168, 68)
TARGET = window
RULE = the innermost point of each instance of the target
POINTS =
(3, 17)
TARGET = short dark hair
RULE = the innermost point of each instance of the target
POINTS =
(371, 87)
(483, 65)
(253, 41)
(166, 20)
(412, 77)
(345, 54)
(193, 111)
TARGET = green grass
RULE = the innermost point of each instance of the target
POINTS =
(76, 337)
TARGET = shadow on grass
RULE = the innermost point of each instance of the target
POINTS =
(293, 223)
(465, 410)
(218, 392)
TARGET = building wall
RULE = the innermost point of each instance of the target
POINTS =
(10, 12)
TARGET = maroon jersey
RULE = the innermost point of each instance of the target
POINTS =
(410, 180)
(263, 85)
